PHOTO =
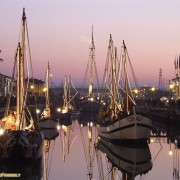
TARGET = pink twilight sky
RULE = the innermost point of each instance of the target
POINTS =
(150, 28)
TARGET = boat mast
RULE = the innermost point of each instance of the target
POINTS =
(47, 86)
(18, 82)
(113, 56)
(65, 92)
(115, 82)
(92, 54)
(68, 92)
(126, 77)
(20, 68)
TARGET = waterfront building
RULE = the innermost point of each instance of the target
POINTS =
(36, 87)
(5, 85)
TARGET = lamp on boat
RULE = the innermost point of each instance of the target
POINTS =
(1, 132)
(58, 109)
(37, 111)
(58, 127)
(65, 110)
(91, 99)
(102, 102)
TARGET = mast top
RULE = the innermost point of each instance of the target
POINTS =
(24, 15)
(93, 46)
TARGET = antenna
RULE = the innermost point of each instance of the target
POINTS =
(160, 78)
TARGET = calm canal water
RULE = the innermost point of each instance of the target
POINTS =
(73, 156)
(74, 164)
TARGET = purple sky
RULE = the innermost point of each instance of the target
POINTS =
(150, 28)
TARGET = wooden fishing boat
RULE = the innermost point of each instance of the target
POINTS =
(20, 139)
(90, 102)
(68, 108)
(47, 121)
(120, 120)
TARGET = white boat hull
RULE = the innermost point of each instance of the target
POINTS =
(134, 127)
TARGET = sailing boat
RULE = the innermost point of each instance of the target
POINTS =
(130, 160)
(24, 141)
(90, 102)
(47, 113)
(121, 122)
(70, 93)
(47, 123)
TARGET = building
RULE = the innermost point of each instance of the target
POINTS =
(5, 85)
(36, 86)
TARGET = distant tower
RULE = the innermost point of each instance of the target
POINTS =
(160, 78)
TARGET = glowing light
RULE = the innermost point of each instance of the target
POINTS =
(1, 131)
(65, 110)
(37, 111)
(64, 128)
(170, 153)
(44, 89)
(58, 127)
(92, 99)
(171, 86)
(153, 89)
(58, 109)
(32, 87)
(136, 91)
(91, 124)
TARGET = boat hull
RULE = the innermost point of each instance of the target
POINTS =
(134, 127)
(89, 106)
(21, 145)
(47, 123)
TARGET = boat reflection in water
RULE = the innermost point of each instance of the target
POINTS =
(88, 117)
(130, 160)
